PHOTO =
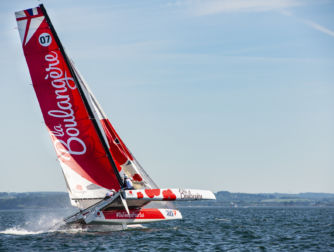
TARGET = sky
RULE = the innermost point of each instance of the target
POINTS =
(221, 95)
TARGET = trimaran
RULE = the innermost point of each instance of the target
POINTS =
(94, 159)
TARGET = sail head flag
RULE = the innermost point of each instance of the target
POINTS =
(87, 164)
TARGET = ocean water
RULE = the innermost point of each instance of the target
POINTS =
(202, 229)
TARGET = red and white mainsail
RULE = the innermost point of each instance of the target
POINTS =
(92, 155)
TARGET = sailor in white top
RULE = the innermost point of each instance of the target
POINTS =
(127, 183)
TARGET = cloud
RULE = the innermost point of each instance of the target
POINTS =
(210, 7)
(310, 23)
(318, 27)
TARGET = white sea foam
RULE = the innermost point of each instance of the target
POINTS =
(48, 223)
(43, 224)
(222, 219)
(19, 231)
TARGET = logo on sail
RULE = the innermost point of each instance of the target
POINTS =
(67, 129)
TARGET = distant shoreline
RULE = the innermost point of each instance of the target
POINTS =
(47, 200)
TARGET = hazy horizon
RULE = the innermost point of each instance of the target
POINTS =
(213, 192)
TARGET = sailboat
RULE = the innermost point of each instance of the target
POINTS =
(93, 158)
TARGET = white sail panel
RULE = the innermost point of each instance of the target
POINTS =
(83, 192)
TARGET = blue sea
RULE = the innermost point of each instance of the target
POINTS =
(202, 229)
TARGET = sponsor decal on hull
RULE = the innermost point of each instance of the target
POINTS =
(149, 213)
(187, 194)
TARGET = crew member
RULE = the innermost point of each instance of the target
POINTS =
(127, 183)
(110, 193)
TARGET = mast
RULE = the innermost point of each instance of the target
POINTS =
(83, 97)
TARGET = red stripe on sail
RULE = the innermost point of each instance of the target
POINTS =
(28, 16)
(27, 27)
(23, 18)
(109, 129)
(116, 149)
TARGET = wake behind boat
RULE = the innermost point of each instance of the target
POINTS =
(103, 178)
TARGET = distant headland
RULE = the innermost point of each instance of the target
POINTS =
(47, 200)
